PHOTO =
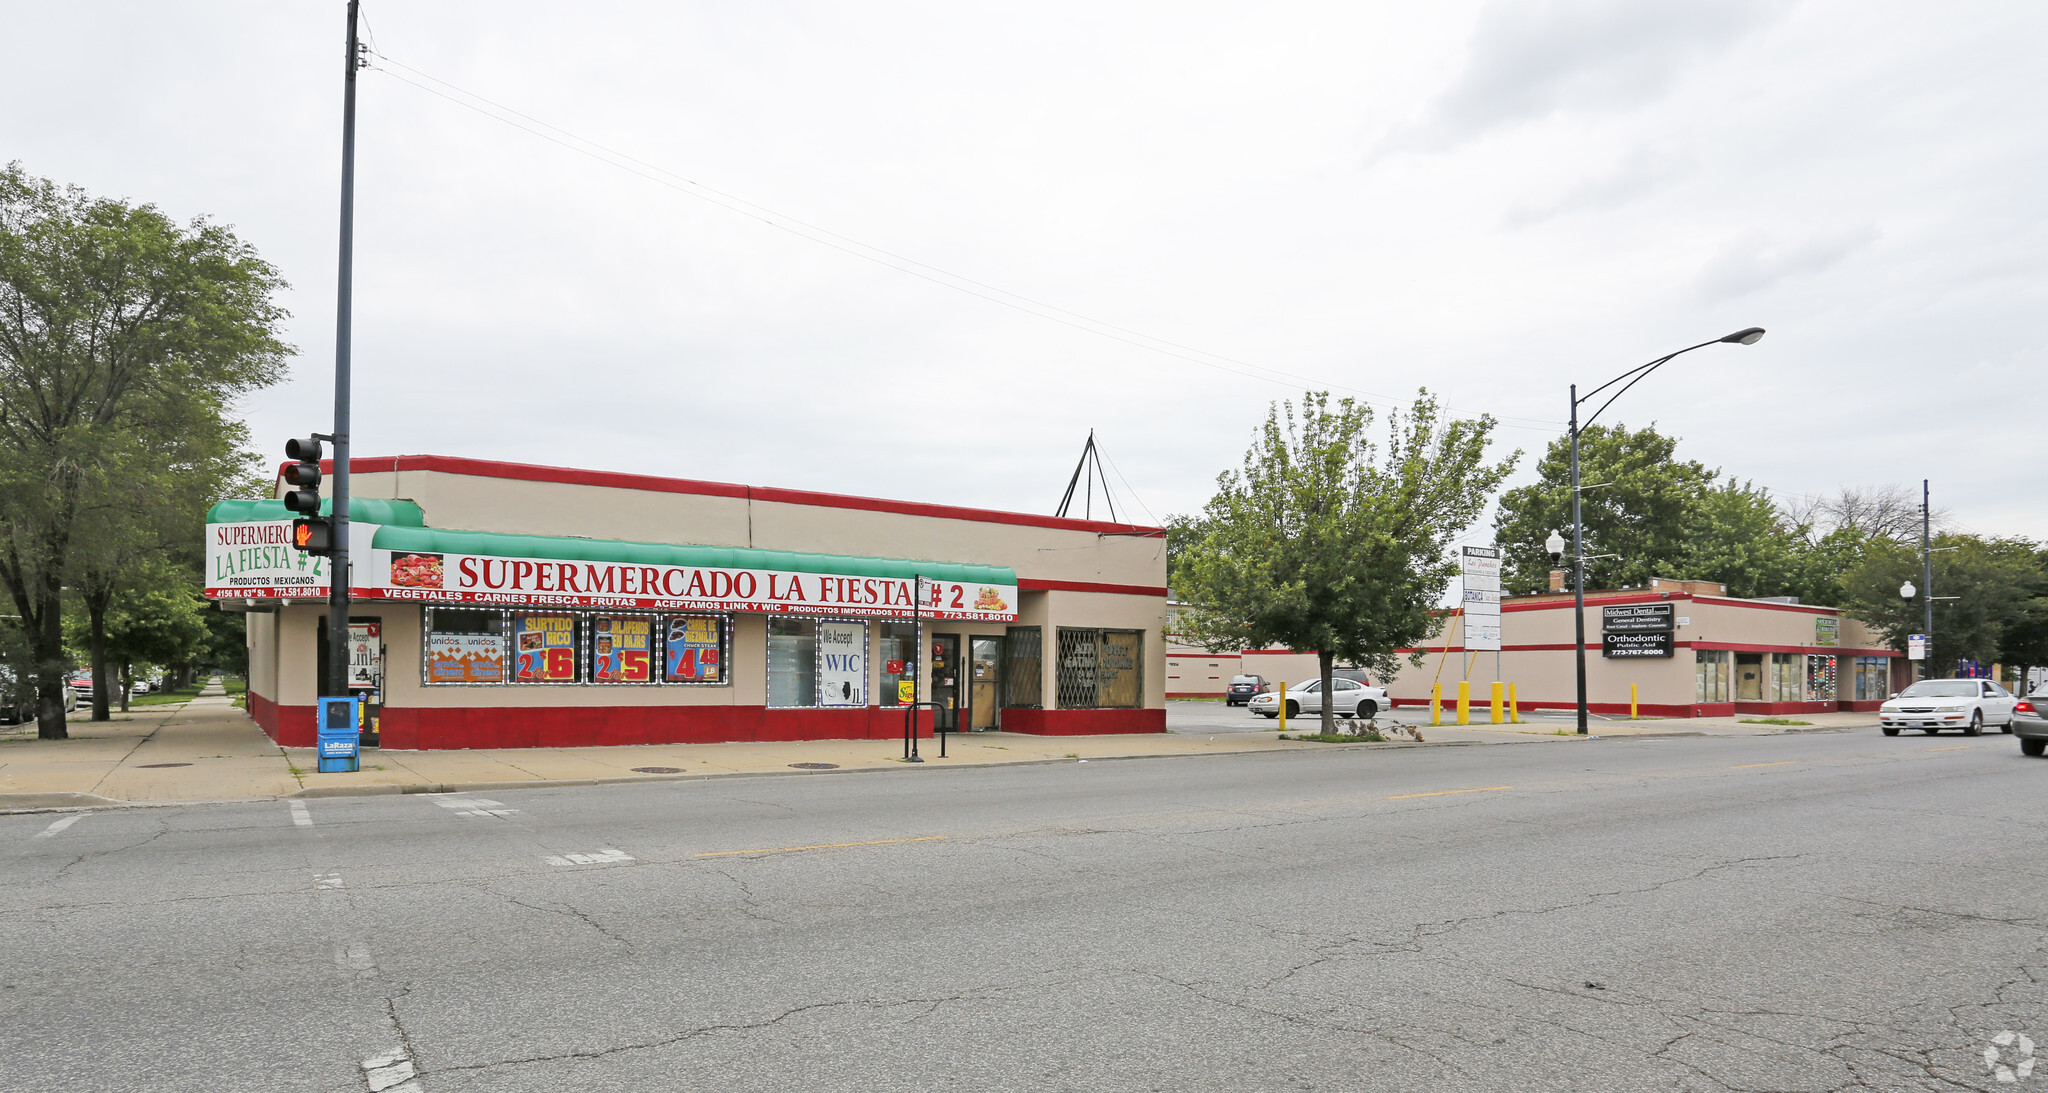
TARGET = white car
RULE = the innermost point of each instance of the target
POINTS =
(1932, 705)
(1350, 698)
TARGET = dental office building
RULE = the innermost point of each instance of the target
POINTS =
(506, 605)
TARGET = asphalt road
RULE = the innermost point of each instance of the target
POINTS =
(1810, 912)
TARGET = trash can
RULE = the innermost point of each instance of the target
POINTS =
(339, 739)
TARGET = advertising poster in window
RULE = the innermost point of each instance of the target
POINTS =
(365, 655)
(465, 658)
(545, 648)
(842, 664)
(621, 650)
(692, 650)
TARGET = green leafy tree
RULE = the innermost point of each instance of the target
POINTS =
(1327, 540)
(2024, 642)
(112, 318)
(1638, 515)
(162, 622)
(1992, 581)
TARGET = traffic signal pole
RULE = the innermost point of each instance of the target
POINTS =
(337, 599)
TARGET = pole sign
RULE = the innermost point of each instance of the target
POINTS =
(1632, 630)
(1916, 647)
(1482, 599)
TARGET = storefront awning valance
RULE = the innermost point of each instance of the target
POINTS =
(422, 540)
(363, 510)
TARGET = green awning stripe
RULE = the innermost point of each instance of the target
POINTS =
(369, 510)
(565, 548)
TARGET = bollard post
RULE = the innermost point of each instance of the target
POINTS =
(1464, 703)
(1514, 710)
(1631, 702)
(1493, 712)
(1282, 707)
(1436, 704)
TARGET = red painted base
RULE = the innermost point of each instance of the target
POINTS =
(431, 728)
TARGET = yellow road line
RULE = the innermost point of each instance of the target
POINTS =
(1446, 792)
(1746, 766)
(820, 846)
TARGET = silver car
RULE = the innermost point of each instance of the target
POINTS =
(1932, 705)
(1350, 698)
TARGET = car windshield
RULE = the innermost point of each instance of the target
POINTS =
(1235, 680)
(1941, 688)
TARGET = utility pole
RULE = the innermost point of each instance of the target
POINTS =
(1578, 568)
(1926, 586)
(337, 599)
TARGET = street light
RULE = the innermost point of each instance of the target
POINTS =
(1907, 591)
(1749, 335)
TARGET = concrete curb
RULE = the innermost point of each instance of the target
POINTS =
(44, 802)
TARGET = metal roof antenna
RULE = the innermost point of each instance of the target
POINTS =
(1085, 473)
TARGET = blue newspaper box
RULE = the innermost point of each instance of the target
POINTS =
(339, 740)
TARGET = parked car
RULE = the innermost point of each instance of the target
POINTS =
(139, 687)
(2030, 722)
(1349, 698)
(82, 683)
(1932, 705)
(1243, 689)
(18, 697)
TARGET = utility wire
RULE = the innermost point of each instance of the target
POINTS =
(924, 271)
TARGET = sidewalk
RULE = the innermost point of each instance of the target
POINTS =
(207, 750)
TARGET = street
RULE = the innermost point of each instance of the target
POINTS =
(1801, 912)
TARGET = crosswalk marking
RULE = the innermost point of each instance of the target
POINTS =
(299, 814)
(60, 825)
(464, 805)
(328, 881)
(599, 858)
(391, 1072)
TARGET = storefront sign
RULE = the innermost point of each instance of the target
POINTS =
(692, 649)
(257, 561)
(365, 655)
(1916, 647)
(1482, 599)
(1827, 630)
(1624, 646)
(465, 658)
(545, 648)
(471, 578)
(1638, 618)
(842, 664)
(621, 649)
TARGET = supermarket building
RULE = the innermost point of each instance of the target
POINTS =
(1687, 648)
(507, 605)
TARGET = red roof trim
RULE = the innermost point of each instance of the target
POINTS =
(1617, 598)
(491, 468)
(1028, 584)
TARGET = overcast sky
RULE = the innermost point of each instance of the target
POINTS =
(1494, 200)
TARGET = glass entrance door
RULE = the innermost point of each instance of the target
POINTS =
(984, 682)
(946, 681)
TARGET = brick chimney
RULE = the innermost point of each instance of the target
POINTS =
(1557, 579)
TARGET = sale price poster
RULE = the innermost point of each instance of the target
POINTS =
(546, 648)
(621, 650)
(692, 650)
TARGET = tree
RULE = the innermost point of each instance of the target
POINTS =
(112, 317)
(1991, 581)
(162, 622)
(1328, 541)
(2024, 642)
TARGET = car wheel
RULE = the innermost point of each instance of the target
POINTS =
(1891, 730)
(2007, 727)
(1294, 709)
(2033, 746)
(1976, 725)
(1268, 716)
(1368, 709)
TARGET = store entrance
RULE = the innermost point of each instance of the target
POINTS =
(984, 683)
(946, 682)
(1749, 677)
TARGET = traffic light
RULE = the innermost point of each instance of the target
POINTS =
(312, 532)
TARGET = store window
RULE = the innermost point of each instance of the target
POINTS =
(1710, 675)
(1873, 679)
(792, 662)
(1024, 668)
(1820, 679)
(896, 650)
(464, 646)
(693, 649)
(621, 648)
(1100, 669)
(1788, 677)
(543, 647)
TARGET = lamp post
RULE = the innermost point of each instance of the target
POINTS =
(1746, 336)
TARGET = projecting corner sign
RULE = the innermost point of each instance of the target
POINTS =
(256, 561)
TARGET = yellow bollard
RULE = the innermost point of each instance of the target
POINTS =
(1494, 711)
(1514, 711)
(1283, 706)
(1464, 703)
(1436, 704)
(1631, 702)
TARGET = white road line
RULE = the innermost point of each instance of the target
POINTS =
(299, 814)
(463, 805)
(60, 825)
(391, 1072)
(328, 881)
(599, 858)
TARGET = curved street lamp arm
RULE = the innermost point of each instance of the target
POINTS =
(1633, 376)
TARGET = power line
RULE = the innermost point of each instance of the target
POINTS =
(881, 256)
